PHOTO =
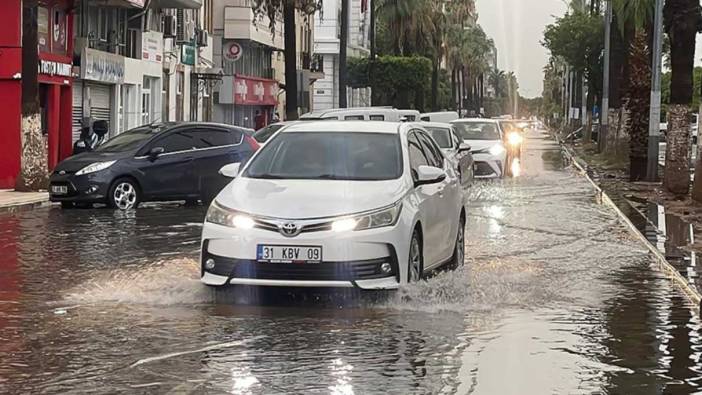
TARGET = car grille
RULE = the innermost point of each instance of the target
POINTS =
(325, 271)
(305, 228)
(483, 169)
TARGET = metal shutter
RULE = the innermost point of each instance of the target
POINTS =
(100, 102)
(77, 122)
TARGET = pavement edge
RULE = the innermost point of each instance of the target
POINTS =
(672, 273)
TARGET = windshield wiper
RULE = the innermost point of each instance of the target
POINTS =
(267, 176)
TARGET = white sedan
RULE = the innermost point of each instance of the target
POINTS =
(486, 141)
(370, 205)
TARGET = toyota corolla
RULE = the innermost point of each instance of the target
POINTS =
(370, 205)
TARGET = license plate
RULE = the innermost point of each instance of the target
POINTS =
(59, 189)
(288, 254)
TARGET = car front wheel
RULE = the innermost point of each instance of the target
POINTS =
(124, 194)
(415, 264)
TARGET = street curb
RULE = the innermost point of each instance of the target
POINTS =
(672, 273)
(24, 206)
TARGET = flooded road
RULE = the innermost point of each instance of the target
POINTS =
(555, 297)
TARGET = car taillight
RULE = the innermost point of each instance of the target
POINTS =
(253, 143)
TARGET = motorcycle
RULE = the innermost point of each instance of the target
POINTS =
(514, 140)
(91, 137)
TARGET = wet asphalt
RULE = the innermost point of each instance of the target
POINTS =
(555, 297)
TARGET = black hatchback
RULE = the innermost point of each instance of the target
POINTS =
(157, 162)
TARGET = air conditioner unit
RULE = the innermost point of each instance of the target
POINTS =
(202, 37)
(170, 26)
(181, 31)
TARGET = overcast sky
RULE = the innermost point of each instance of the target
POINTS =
(517, 27)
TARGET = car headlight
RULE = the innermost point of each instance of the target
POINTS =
(514, 138)
(219, 215)
(93, 167)
(497, 150)
(386, 216)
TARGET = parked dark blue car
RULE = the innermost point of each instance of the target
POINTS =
(157, 162)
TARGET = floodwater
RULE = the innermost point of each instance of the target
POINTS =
(555, 297)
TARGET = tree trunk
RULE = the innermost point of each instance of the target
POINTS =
(290, 60)
(343, 42)
(682, 20)
(34, 171)
(435, 85)
(638, 105)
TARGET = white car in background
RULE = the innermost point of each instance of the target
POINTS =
(487, 146)
(454, 148)
(442, 116)
(370, 205)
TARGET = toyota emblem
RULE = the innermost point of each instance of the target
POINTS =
(289, 229)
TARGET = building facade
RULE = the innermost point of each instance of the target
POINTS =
(326, 47)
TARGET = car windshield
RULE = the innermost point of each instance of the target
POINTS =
(477, 130)
(329, 156)
(442, 136)
(129, 140)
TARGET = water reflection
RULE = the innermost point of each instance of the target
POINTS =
(555, 298)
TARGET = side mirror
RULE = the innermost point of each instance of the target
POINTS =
(464, 147)
(429, 175)
(156, 152)
(231, 170)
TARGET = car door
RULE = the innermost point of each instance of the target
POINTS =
(170, 175)
(449, 197)
(214, 148)
(429, 203)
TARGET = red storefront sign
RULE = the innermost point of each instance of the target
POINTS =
(253, 91)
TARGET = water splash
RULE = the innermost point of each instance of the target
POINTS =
(169, 282)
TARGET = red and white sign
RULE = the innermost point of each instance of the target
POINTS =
(252, 91)
(233, 51)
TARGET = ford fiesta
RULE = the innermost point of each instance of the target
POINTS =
(370, 205)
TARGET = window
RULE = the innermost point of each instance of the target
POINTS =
(214, 138)
(377, 117)
(432, 152)
(176, 142)
(416, 155)
(477, 130)
(350, 156)
(442, 136)
(103, 24)
(180, 85)
(353, 118)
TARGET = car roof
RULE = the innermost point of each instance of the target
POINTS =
(330, 111)
(439, 113)
(434, 124)
(475, 120)
(345, 126)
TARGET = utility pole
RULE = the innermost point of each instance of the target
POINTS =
(343, 42)
(654, 120)
(604, 112)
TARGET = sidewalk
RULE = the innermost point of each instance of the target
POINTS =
(11, 200)
(670, 236)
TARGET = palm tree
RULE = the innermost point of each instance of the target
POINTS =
(636, 15)
(682, 22)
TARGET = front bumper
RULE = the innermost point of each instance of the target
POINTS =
(349, 260)
(89, 188)
(488, 166)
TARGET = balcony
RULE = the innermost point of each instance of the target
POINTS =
(315, 64)
(239, 24)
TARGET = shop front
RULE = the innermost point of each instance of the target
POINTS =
(54, 28)
(96, 95)
(247, 101)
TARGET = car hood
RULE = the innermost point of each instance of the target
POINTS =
(76, 162)
(303, 199)
(478, 145)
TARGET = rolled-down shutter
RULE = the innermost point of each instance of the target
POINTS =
(77, 122)
(100, 107)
